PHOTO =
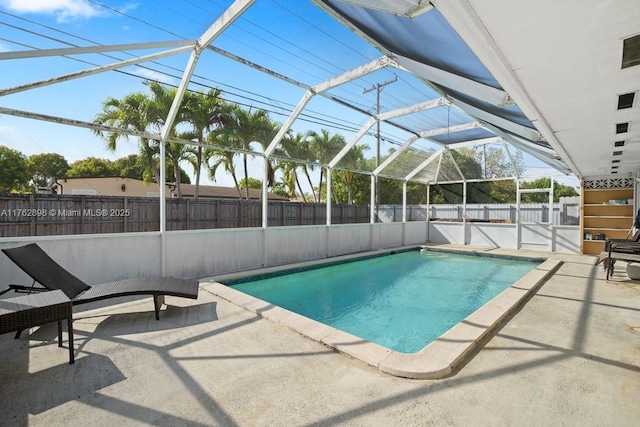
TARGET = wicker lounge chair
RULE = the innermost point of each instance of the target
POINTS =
(620, 250)
(51, 276)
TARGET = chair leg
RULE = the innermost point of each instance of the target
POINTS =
(59, 333)
(158, 300)
(71, 349)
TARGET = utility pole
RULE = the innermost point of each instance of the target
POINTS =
(378, 88)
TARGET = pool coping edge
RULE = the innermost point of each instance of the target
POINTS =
(438, 359)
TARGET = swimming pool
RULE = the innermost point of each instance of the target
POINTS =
(435, 360)
(402, 301)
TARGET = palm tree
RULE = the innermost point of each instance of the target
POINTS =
(293, 146)
(351, 160)
(131, 112)
(160, 103)
(205, 112)
(216, 157)
(247, 127)
(325, 147)
(141, 112)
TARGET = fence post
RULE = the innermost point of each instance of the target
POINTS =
(32, 207)
(125, 217)
(83, 205)
(218, 213)
(301, 213)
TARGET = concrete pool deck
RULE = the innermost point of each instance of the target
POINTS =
(570, 356)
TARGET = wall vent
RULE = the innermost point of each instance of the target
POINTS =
(626, 100)
(618, 144)
(617, 153)
(622, 127)
(631, 51)
(615, 161)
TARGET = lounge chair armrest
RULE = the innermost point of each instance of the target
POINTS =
(24, 289)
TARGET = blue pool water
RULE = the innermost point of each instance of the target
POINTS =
(401, 301)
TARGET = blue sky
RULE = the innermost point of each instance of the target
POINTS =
(294, 38)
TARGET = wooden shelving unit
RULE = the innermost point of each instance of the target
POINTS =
(604, 215)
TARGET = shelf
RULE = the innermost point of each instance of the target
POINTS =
(590, 205)
(601, 217)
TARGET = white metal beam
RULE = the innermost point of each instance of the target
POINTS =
(350, 75)
(289, 122)
(75, 123)
(395, 154)
(476, 142)
(453, 81)
(92, 71)
(513, 127)
(39, 53)
(450, 129)
(227, 18)
(423, 164)
(361, 71)
(448, 151)
(351, 143)
(427, 105)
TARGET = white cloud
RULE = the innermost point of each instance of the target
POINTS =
(64, 10)
(153, 75)
(4, 48)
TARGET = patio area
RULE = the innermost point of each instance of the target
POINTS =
(568, 357)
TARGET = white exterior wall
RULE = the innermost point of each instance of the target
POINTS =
(197, 253)
(98, 258)
(415, 233)
(101, 258)
(492, 235)
(94, 258)
(566, 239)
(542, 237)
(445, 232)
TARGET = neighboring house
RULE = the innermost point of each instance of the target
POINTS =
(132, 187)
(106, 186)
(215, 192)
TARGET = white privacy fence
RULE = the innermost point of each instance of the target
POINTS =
(565, 212)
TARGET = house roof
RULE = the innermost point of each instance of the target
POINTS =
(212, 191)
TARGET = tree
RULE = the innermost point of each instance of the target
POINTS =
(158, 108)
(325, 147)
(253, 183)
(91, 167)
(351, 160)
(14, 171)
(130, 113)
(45, 167)
(216, 157)
(292, 146)
(559, 190)
(245, 128)
(206, 112)
(146, 113)
(129, 166)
